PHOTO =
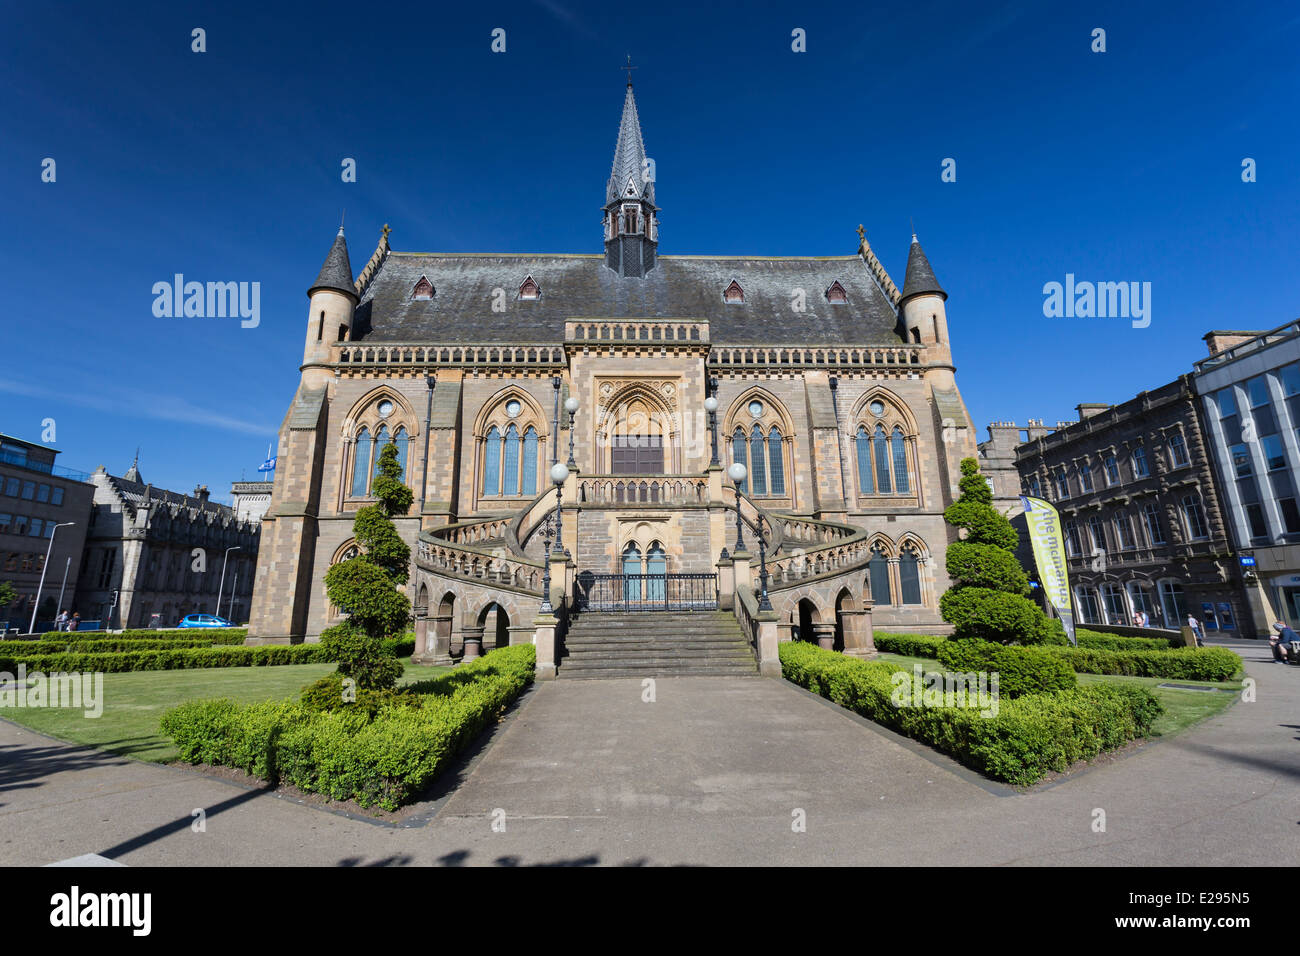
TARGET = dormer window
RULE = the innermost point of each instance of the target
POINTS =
(734, 294)
(423, 289)
(530, 289)
(836, 294)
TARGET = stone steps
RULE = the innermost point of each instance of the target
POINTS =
(656, 644)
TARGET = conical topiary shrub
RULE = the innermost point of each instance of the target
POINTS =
(366, 587)
(987, 599)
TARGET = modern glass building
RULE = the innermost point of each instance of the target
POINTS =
(1250, 394)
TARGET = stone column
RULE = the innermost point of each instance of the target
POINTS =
(769, 662)
(858, 639)
(421, 631)
(473, 637)
(784, 631)
(742, 577)
(726, 584)
(825, 633)
(559, 578)
(544, 638)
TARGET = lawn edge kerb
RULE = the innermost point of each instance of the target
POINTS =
(1029, 737)
(346, 755)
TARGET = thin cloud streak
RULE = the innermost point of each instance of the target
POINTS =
(136, 404)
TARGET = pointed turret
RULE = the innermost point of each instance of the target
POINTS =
(920, 277)
(333, 304)
(133, 473)
(925, 318)
(336, 273)
(631, 224)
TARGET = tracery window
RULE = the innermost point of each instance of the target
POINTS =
(757, 442)
(380, 423)
(511, 449)
(883, 451)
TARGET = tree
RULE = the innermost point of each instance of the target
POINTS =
(988, 598)
(8, 594)
(366, 587)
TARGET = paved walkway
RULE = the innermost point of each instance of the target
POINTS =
(712, 772)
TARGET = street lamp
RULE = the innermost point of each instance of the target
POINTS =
(711, 406)
(559, 474)
(546, 574)
(737, 473)
(66, 524)
(570, 406)
(764, 603)
(221, 588)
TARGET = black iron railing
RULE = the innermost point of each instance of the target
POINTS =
(646, 592)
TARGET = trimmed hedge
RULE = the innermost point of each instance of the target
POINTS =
(162, 660)
(101, 645)
(1020, 670)
(1118, 642)
(909, 645)
(345, 753)
(1030, 736)
(1188, 663)
(213, 635)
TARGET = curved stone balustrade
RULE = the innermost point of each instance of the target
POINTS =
(443, 558)
(649, 489)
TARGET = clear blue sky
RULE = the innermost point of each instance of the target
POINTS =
(225, 166)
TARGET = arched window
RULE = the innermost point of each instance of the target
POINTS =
(738, 453)
(511, 448)
(400, 437)
(631, 568)
(862, 441)
(878, 568)
(381, 439)
(757, 465)
(530, 462)
(510, 468)
(900, 462)
(882, 459)
(361, 465)
(882, 449)
(776, 461)
(656, 563)
(492, 462)
(909, 575)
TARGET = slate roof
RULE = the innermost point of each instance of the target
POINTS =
(581, 286)
(920, 277)
(336, 272)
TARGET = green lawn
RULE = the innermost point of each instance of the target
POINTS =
(134, 703)
(1183, 708)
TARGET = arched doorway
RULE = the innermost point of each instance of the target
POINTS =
(843, 602)
(443, 623)
(805, 613)
(632, 573)
(495, 622)
(656, 566)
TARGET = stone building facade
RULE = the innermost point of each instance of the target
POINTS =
(153, 556)
(1140, 509)
(834, 388)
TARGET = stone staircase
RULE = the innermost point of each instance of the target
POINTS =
(656, 644)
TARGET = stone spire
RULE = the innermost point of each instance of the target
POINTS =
(336, 273)
(631, 224)
(133, 473)
(920, 277)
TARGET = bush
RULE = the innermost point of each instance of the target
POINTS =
(212, 635)
(162, 660)
(909, 645)
(1020, 670)
(382, 758)
(987, 599)
(96, 645)
(1028, 738)
(1116, 642)
(1188, 663)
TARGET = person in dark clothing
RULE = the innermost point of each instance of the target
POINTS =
(1282, 642)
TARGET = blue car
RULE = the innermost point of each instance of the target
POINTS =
(204, 620)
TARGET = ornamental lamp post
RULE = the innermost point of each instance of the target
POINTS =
(571, 406)
(559, 474)
(711, 406)
(737, 473)
(546, 575)
(764, 603)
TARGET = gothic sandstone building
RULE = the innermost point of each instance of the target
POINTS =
(834, 388)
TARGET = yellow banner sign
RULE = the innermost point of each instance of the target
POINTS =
(1049, 553)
